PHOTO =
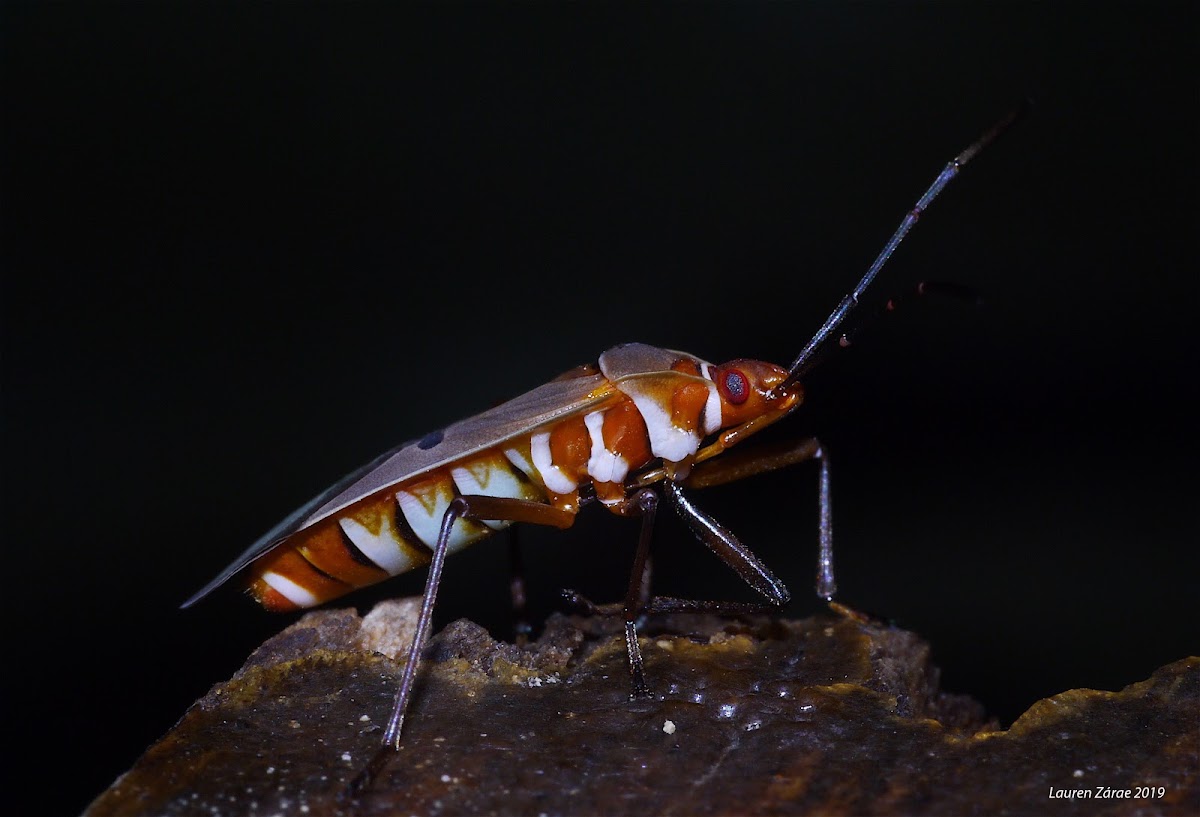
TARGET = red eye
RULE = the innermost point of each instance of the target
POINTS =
(735, 386)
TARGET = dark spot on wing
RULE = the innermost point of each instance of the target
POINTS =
(430, 440)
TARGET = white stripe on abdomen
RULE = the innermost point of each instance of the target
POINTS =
(490, 477)
(423, 508)
(667, 440)
(552, 476)
(291, 591)
(603, 465)
(383, 548)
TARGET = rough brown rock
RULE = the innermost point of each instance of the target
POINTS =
(829, 715)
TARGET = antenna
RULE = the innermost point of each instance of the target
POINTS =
(804, 360)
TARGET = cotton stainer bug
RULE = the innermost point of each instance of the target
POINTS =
(639, 424)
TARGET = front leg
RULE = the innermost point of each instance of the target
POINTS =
(760, 460)
(638, 601)
(721, 541)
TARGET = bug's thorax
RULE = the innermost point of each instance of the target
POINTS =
(692, 402)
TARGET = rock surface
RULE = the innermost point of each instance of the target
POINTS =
(829, 715)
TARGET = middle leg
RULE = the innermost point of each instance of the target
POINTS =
(643, 503)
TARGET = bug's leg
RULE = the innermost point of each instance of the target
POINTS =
(516, 588)
(742, 463)
(644, 503)
(732, 552)
(468, 506)
(647, 572)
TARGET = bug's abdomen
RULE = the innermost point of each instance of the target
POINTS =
(395, 530)
(386, 534)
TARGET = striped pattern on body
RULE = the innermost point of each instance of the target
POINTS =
(600, 425)
(384, 535)
(663, 416)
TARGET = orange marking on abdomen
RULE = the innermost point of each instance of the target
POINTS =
(302, 584)
(570, 447)
(327, 548)
(385, 534)
(624, 433)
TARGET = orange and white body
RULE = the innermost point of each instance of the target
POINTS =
(593, 432)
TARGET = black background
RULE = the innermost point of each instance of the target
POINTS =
(246, 248)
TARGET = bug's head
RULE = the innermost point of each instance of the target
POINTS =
(752, 388)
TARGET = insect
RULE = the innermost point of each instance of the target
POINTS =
(639, 427)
